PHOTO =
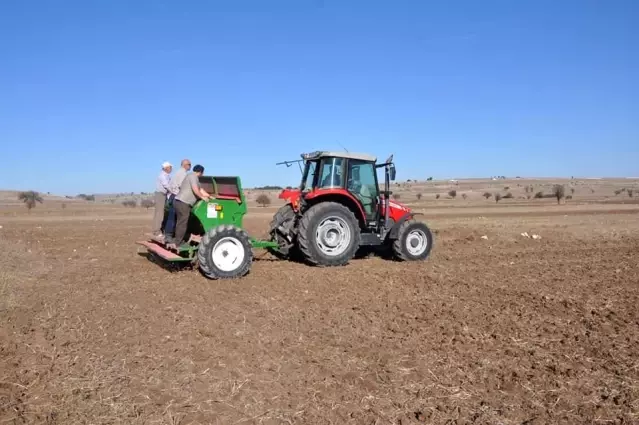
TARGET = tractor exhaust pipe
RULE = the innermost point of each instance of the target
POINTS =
(387, 196)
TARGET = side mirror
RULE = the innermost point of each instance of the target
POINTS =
(392, 172)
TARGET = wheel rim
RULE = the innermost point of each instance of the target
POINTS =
(227, 254)
(416, 242)
(333, 236)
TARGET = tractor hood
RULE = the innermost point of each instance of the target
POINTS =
(397, 206)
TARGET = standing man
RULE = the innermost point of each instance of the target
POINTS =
(190, 191)
(161, 192)
(174, 189)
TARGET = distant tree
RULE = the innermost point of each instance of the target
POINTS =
(572, 190)
(464, 196)
(487, 195)
(86, 197)
(64, 206)
(592, 190)
(559, 192)
(130, 203)
(507, 196)
(497, 197)
(263, 200)
(147, 203)
(539, 195)
(617, 192)
(630, 192)
(437, 196)
(430, 179)
(418, 196)
(506, 187)
(30, 198)
(452, 193)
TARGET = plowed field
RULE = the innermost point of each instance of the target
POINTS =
(498, 330)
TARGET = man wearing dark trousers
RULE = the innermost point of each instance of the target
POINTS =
(174, 189)
(190, 191)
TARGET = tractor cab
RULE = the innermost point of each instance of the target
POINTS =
(351, 176)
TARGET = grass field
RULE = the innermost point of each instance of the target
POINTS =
(494, 328)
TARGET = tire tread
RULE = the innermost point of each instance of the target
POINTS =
(305, 243)
(399, 243)
(207, 243)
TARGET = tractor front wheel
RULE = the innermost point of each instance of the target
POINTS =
(328, 234)
(414, 241)
(225, 253)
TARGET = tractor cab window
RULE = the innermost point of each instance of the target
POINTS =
(331, 173)
(363, 184)
(310, 175)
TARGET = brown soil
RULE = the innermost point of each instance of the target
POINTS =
(507, 330)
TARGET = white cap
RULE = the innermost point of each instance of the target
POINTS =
(166, 164)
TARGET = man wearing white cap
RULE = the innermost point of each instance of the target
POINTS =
(161, 193)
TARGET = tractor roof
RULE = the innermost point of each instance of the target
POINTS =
(348, 155)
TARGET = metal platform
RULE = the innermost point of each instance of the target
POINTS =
(153, 246)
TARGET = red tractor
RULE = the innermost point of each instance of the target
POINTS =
(339, 208)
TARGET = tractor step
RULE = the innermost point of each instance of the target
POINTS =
(162, 252)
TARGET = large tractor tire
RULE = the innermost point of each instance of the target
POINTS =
(225, 253)
(414, 241)
(284, 217)
(328, 234)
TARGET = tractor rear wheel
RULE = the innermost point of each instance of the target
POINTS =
(414, 241)
(225, 253)
(328, 234)
(284, 218)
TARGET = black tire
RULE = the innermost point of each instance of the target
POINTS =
(285, 217)
(306, 236)
(404, 239)
(205, 252)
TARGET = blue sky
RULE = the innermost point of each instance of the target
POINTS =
(94, 95)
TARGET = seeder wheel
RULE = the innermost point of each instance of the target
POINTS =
(225, 253)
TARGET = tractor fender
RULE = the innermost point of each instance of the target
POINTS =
(395, 229)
